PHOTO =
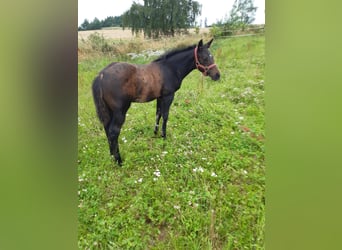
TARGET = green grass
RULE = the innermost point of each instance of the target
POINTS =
(201, 188)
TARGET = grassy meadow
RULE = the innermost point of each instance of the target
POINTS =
(201, 188)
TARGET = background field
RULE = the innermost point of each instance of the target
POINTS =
(119, 33)
(203, 187)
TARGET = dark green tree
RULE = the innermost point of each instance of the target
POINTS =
(161, 17)
(95, 24)
(112, 21)
(242, 14)
(134, 18)
(84, 25)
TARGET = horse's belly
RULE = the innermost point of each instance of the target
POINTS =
(148, 88)
(148, 95)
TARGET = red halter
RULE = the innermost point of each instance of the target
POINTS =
(199, 65)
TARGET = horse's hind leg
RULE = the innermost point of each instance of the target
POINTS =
(113, 132)
(113, 135)
(158, 116)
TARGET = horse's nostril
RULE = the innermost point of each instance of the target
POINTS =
(215, 76)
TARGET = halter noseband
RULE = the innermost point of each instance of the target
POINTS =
(199, 65)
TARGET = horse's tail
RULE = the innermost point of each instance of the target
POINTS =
(102, 109)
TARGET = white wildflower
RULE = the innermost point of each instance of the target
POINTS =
(139, 180)
(157, 173)
(176, 207)
(80, 123)
(199, 169)
(213, 174)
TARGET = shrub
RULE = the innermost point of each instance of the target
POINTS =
(99, 43)
(197, 30)
(215, 31)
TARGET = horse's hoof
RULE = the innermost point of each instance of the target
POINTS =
(119, 162)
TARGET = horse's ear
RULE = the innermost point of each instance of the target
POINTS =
(209, 43)
(200, 43)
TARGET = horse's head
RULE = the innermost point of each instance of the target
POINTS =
(205, 61)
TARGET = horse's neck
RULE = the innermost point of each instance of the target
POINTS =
(183, 63)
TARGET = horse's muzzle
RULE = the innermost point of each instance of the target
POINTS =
(216, 76)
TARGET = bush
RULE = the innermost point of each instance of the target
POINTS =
(215, 31)
(99, 43)
(197, 30)
(220, 31)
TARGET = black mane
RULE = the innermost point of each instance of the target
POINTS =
(173, 52)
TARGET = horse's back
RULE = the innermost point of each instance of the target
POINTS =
(118, 71)
(138, 83)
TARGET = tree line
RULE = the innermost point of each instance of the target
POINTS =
(161, 17)
(157, 18)
(241, 15)
(96, 24)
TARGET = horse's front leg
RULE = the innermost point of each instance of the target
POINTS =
(165, 107)
(158, 116)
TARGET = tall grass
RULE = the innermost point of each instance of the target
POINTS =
(203, 187)
(96, 45)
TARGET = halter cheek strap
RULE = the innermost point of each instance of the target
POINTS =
(200, 66)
